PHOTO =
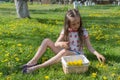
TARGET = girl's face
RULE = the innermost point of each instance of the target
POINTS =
(74, 23)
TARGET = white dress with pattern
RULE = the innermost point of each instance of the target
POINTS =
(74, 41)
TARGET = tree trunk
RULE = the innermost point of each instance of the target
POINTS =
(22, 8)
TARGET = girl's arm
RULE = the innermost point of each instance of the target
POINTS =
(100, 57)
(60, 43)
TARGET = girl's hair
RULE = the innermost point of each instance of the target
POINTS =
(73, 13)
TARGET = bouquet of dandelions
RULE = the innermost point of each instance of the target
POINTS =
(75, 63)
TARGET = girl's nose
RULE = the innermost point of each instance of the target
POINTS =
(76, 26)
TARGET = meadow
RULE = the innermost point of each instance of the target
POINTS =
(20, 39)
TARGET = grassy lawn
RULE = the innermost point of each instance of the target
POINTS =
(20, 39)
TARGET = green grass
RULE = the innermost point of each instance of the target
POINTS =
(20, 39)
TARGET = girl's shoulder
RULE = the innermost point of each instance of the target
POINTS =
(84, 29)
(85, 32)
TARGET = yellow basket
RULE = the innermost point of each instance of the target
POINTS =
(74, 68)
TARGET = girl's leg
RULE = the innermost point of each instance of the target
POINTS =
(51, 61)
(46, 43)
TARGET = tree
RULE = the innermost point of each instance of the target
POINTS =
(22, 8)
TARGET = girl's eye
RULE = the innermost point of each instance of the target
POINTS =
(73, 24)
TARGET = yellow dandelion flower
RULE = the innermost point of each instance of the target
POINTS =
(46, 77)
(113, 74)
(94, 75)
(19, 45)
(8, 78)
(5, 60)
(17, 59)
(6, 55)
(74, 63)
(104, 78)
(101, 65)
(15, 55)
(70, 63)
(0, 33)
(1, 73)
(114, 68)
(118, 77)
(79, 62)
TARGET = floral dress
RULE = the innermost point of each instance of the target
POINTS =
(74, 41)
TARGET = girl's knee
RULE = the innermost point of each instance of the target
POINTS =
(47, 41)
(64, 51)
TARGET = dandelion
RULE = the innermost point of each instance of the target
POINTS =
(19, 45)
(8, 78)
(114, 68)
(79, 62)
(69, 63)
(21, 50)
(104, 78)
(0, 33)
(5, 60)
(94, 75)
(46, 77)
(15, 55)
(101, 65)
(75, 63)
(118, 77)
(1, 74)
(17, 59)
(113, 74)
(6, 55)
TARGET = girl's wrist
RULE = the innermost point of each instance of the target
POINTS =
(96, 53)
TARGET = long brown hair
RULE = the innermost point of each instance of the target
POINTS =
(73, 13)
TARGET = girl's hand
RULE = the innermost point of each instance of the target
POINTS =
(65, 45)
(100, 58)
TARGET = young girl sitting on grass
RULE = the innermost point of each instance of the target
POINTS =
(70, 42)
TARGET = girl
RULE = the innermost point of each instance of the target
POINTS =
(70, 42)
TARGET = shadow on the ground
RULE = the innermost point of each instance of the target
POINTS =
(109, 58)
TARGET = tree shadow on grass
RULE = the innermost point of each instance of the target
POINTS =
(101, 20)
(48, 21)
(9, 70)
(48, 11)
(109, 58)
